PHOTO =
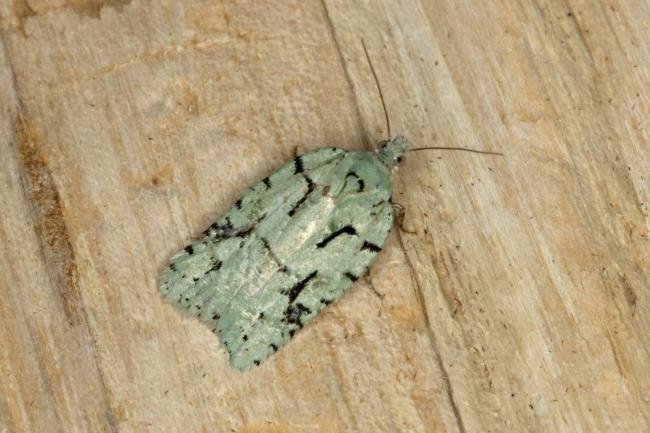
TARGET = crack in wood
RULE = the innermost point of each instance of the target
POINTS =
(432, 338)
(49, 223)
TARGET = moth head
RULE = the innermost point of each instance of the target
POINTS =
(392, 151)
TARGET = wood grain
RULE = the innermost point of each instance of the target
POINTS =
(515, 298)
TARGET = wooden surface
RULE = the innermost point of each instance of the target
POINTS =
(519, 302)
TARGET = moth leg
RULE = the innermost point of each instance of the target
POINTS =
(400, 213)
(372, 287)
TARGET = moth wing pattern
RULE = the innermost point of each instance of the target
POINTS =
(291, 245)
(195, 273)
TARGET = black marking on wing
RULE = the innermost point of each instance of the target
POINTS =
(211, 227)
(351, 276)
(298, 165)
(189, 249)
(310, 188)
(294, 313)
(295, 207)
(274, 347)
(172, 267)
(215, 267)
(265, 242)
(225, 231)
(281, 266)
(247, 230)
(267, 182)
(325, 301)
(216, 316)
(379, 203)
(257, 362)
(360, 182)
(370, 247)
(299, 287)
(222, 230)
(348, 230)
(238, 204)
(310, 183)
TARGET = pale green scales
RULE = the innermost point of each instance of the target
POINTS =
(290, 246)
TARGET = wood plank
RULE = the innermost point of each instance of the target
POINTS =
(514, 299)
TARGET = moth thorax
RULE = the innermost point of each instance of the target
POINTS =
(391, 152)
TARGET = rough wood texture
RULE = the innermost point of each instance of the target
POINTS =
(519, 302)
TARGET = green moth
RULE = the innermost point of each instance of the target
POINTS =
(292, 244)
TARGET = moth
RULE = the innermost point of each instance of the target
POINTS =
(291, 245)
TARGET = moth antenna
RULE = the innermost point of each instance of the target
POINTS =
(381, 95)
(464, 149)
